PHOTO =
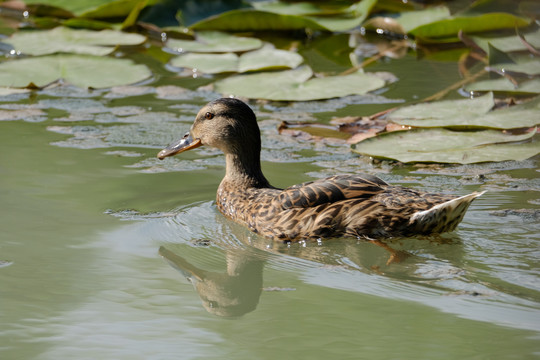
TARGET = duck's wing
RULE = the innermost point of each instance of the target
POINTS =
(330, 190)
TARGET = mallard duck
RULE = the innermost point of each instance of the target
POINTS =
(357, 205)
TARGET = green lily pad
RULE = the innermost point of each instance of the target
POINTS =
(442, 113)
(256, 20)
(468, 24)
(208, 63)
(115, 9)
(446, 146)
(269, 58)
(531, 67)
(508, 43)
(77, 7)
(215, 41)
(297, 85)
(522, 115)
(65, 40)
(88, 24)
(83, 71)
(504, 85)
(279, 7)
(262, 59)
(331, 17)
(413, 19)
(468, 113)
(353, 17)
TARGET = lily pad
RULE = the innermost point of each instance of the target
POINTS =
(115, 9)
(353, 17)
(208, 63)
(446, 146)
(256, 20)
(531, 67)
(297, 85)
(269, 58)
(215, 41)
(279, 7)
(66, 40)
(508, 43)
(413, 19)
(442, 113)
(83, 71)
(468, 113)
(468, 24)
(77, 7)
(504, 85)
(262, 59)
(522, 115)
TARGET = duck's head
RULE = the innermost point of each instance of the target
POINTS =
(227, 124)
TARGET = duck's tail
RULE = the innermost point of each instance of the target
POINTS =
(442, 217)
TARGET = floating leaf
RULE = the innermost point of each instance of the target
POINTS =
(297, 85)
(508, 43)
(269, 58)
(468, 113)
(65, 40)
(115, 9)
(413, 19)
(517, 116)
(77, 7)
(215, 41)
(262, 59)
(256, 20)
(44, 10)
(83, 71)
(446, 146)
(442, 113)
(134, 12)
(208, 63)
(354, 17)
(531, 67)
(278, 7)
(504, 85)
(89, 24)
(468, 24)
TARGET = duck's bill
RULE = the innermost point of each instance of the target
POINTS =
(184, 144)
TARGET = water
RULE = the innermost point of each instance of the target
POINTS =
(108, 253)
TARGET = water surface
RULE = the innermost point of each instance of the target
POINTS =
(108, 253)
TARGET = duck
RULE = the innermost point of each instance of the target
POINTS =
(348, 205)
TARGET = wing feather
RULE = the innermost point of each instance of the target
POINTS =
(330, 190)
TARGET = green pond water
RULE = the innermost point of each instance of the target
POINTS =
(108, 253)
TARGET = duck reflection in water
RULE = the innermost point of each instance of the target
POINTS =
(232, 293)
(236, 291)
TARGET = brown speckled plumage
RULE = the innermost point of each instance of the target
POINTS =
(342, 205)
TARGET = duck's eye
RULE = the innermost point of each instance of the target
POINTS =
(208, 116)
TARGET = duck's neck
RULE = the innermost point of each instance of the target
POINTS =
(245, 170)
